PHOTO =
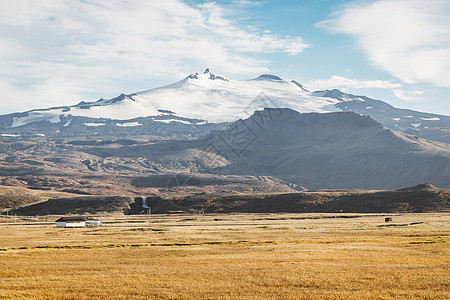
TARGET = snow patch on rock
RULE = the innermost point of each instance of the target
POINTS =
(168, 121)
(94, 124)
(129, 124)
(430, 119)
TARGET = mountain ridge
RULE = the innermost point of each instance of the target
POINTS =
(209, 98)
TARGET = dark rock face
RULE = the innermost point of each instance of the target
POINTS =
(336, 150)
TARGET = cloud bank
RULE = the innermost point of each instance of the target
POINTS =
(343, 82)
(408, 38)
(56, 51)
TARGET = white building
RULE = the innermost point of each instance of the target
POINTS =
(71, 222)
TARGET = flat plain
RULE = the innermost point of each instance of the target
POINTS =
(228, 256)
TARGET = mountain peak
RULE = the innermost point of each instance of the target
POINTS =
(207, 75)
(336, 94)
(269, 77)
(193, 76)
(217, 77)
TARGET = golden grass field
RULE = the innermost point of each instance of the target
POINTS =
(236, 256)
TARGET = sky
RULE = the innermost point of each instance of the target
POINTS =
(61, 52)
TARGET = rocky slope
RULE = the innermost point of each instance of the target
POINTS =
(314, 150)
(335, 150)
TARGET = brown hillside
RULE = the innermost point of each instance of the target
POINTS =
(422, 198)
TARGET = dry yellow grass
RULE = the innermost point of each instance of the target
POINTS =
(281, 256)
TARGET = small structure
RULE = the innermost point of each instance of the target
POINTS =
(71, 222)
(388, 219)
(95, 223)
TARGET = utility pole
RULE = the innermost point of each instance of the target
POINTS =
(150, 215)
(7, 215)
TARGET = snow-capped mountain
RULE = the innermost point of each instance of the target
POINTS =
(203, 99)
(209, 97)
(217, 99)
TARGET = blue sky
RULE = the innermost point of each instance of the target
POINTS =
(60, 52)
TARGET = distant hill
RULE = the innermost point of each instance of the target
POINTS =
(78, 205)
(13, 197)
(422, 198)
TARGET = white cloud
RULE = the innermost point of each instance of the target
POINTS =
(343, 82)
(408, 38)
(247, 2)
(86, 46)
(408, 95)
